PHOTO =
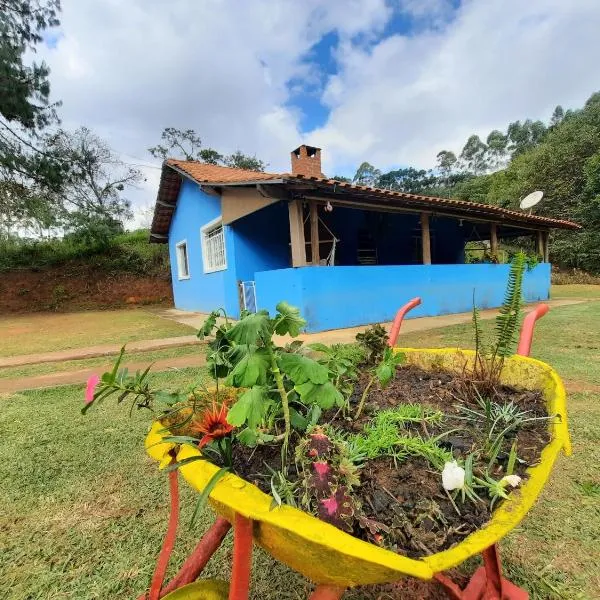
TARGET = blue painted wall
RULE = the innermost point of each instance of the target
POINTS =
(259, 241)
(336, 297)
(202, 291)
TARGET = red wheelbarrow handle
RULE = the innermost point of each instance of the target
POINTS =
(395, 330)
(526, 336)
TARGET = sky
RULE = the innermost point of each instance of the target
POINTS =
(391, 82)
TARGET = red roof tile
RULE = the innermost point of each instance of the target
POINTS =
(217, 175)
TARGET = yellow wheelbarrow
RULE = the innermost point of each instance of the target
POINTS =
(331, 558)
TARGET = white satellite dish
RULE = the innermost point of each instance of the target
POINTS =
(531, 200)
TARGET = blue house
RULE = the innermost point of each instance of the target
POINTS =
(344, 254)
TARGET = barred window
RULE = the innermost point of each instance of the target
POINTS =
(213, 247)
(183, 265)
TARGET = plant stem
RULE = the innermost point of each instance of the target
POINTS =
(365, 393)
(284, 400)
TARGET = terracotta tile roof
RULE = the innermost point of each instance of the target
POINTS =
(204, 173)
(216, 175)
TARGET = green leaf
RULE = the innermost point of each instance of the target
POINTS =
(182, 463)
(251, 370)
(206, 492)
(248, 437)
(301, 369)
(209, 324)
(318, 347)
(288, 320)
(250, 408)
(168, 398)
(324, 395)
(385, 373)
(297, 421)
(251, 329)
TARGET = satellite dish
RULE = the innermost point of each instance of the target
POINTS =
(531, 200)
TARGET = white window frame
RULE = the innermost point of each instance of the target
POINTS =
(179, 255)
(204, 230)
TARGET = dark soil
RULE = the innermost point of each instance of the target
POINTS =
(407, 498)
(78, 286)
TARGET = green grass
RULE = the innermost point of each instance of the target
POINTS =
(84, 510)
(568, 338)
(47, 332)
(576, 290)
(102, 362)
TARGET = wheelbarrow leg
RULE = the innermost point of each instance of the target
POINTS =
(487, 582)
(327, 592)
(242, 558)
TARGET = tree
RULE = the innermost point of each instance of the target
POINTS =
(496, 148)
(97, 178)
(187, 145)
(473, 155)
(25, 107)
(557, 116)
(367, 174)
(446, 162)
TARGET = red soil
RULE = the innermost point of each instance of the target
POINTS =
(78, 286)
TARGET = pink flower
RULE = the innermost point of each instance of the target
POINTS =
(92, 382)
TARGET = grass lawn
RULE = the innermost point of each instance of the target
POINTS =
(575, 290)
(102, 362)
(84, 509)
(46, 332)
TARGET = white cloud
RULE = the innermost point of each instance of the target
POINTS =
(410, 96)
(222, 67)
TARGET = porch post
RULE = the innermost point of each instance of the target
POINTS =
(297, 233)
(540, 243)
(426, 238)
(546, 254)
(314, 234)
(494, 239)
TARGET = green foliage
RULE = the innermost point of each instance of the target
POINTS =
(373, 341)
(246, 355)
(341, 362)
(121, 253)
(490, 356)
(187, 145)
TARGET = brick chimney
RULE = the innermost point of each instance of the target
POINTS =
(306, 160)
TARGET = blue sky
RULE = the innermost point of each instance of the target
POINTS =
(391, 82)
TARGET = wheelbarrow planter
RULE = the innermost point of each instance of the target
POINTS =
(330, 557)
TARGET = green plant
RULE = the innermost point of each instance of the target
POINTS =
(374, 342)
(490, 357)
(341, 361)
(274, 377)
(384, 372)
(328, 478)
(382, 436)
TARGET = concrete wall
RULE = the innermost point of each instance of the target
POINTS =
(336, 297)
(259, 241)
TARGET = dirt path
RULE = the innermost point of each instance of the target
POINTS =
(345, 336)
(194, 319)
(97, 351)
(82, 375)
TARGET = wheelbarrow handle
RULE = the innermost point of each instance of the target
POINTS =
(395, 330)
(526, 336)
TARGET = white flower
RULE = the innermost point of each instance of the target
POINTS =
(512, 480)
(453, 476)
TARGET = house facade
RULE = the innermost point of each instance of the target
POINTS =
(346, 255)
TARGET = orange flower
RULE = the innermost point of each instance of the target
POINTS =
(213, 425)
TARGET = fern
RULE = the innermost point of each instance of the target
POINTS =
(507, 321)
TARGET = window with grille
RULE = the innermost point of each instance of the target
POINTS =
(183, 265)
(213, 247)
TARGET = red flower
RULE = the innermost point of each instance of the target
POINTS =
(213, 425)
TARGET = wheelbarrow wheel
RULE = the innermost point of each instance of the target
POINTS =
(205, 589)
